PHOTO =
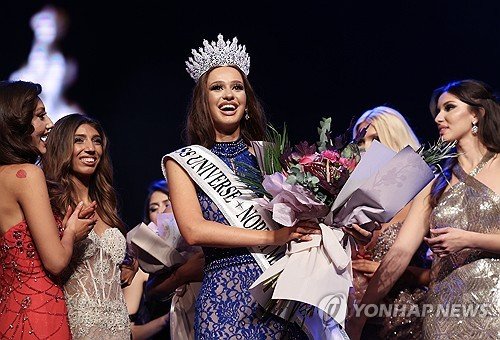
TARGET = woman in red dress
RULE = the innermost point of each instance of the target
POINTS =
(33, 249)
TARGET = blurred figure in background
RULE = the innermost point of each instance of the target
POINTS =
(47, 65)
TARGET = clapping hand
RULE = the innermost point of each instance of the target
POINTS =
(81, 227)
(88, 211)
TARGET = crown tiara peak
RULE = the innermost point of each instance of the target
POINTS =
(220, 53)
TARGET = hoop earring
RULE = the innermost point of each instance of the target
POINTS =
(474, 128)
(247, 116)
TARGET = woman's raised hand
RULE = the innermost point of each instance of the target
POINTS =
(80, 227)
(88, 211)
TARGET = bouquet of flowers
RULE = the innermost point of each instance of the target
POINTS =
(159, 247)
(301, 182)
(328, 182)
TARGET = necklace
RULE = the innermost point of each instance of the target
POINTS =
(229, 149)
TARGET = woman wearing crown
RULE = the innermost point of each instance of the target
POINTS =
(238, 242)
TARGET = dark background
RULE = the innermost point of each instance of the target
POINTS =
(316, 59)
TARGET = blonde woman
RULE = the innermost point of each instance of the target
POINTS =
(461, 210)
(387, 126)
(390, 128)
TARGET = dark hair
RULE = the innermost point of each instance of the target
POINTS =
(158, 185)
(56, 164)
(18, 101)
(482, 101)
(199, 125)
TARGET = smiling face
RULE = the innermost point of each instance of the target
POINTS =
(42, 125)
(226, 100)
(87, 150)
(454, 118)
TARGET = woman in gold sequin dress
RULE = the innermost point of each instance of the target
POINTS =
(462, 210)
(390, 128)
(33, 248)
(78, 166)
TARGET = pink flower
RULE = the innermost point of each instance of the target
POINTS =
(291, 202)
(349, 163)
(330, 154)
(307, 159)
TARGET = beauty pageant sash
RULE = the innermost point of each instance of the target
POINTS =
(232, 197)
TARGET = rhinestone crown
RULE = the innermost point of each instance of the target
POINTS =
(220, 53)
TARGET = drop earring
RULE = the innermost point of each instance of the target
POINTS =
(474, 128)
(247, 116)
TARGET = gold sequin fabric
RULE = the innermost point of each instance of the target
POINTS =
(403, 294)
(96, 306)
(465, 289)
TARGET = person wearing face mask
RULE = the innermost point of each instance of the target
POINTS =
(461, 210)
(35, 245)
(78, 166)
(149, 297)
(390, 128)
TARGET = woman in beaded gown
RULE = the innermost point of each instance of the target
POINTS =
(390, 128)
(461, 209)
(224, 116)
(33, 248)
(78, 167)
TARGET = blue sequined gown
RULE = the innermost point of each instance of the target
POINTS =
(224, 308)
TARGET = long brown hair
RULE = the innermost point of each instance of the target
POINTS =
(482, 101)
(56, 164)
(199, 126)
(18, 100)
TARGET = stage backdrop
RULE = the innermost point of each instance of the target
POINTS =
(316, 59)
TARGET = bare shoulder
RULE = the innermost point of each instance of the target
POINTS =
(170, 164)
(22, 177)
(22, 173)
(174, 170)
(27, 172)
(491, 175)
(495, 163)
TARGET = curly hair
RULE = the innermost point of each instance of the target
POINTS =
(56, 164)
(18, 101)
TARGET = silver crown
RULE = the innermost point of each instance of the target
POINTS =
(220, 53)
